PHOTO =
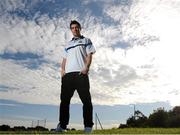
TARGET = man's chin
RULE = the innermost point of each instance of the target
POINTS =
(76, 35)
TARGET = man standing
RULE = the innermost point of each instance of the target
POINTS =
(77, 57)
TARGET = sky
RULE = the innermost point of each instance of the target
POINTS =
(136, 60)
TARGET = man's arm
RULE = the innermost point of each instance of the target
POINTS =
(87, 64)
(63, 64)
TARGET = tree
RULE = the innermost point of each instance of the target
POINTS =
(39, 128)
(174, 117)
(5, 128)
(137, 122)
(159, 118)
(19, 128)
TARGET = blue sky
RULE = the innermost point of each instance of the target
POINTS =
(136, 61)
(111, 116)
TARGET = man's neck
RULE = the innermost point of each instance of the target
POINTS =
(77, 37)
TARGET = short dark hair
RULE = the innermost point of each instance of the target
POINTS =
(75, 22)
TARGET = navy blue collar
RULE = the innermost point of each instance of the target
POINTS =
(76, 38)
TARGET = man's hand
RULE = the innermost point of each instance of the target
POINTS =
(62, 72)
(87, 65)
(85, 71)
(63, 67)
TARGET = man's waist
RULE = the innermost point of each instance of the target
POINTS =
(74, 72)
(73, 69)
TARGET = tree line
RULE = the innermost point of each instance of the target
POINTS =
(22, 128)
(159, 118)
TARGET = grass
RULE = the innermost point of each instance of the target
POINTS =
(140, 131)
(107, 131)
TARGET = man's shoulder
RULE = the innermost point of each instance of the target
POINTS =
(87, 40)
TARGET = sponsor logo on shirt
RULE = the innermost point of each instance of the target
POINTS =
(80, 41)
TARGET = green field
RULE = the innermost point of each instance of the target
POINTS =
(109, 131)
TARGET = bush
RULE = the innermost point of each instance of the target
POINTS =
(5, 128)
(158, 119)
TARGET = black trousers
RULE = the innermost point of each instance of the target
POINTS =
(71, 82)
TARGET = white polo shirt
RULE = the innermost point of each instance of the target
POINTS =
(75, 53)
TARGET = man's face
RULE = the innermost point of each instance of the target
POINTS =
(75, 30)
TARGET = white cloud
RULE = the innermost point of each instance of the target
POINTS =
(31, 86)
(118, 12)
(136, 58)
(5, 104)
(11, 5)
